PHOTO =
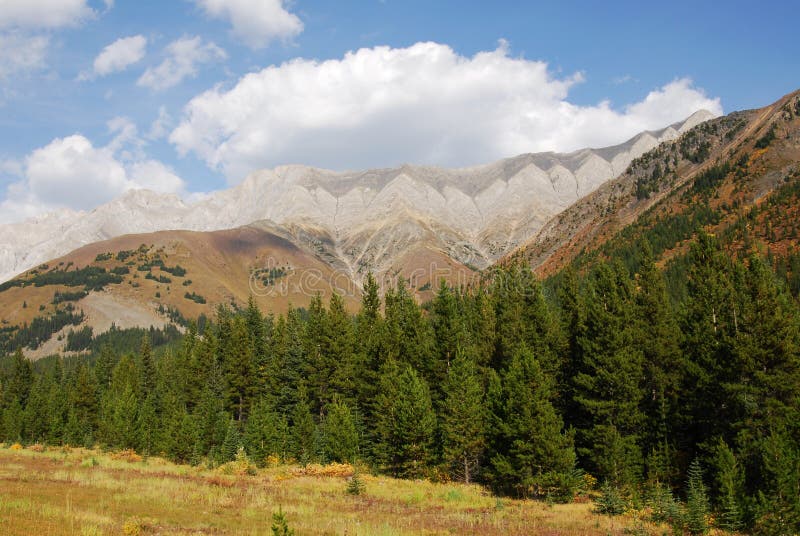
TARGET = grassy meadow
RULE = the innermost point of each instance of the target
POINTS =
(88, 492)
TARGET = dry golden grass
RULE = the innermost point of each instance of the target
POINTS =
(83, 492)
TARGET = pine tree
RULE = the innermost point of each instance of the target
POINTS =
(20, 379)
(237, 360)
(12, 423)
(146, 368)
(729, 483)
(463, 419)
(368, 358)
(531, 455)
(709, 324)
(232, 443)
(303, 430)
(608, 387)
(697, 504)
(265, 434)
(340, 436)
(82, 398)
(408, 426)
(35, 415)
(657, 335)
(104, 367)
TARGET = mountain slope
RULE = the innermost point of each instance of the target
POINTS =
(362, 220)
(710, 177)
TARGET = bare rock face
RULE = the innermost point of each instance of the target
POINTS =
(357, 221)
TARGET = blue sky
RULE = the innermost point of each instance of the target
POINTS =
(191, 95)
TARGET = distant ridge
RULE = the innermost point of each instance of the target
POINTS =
(357, 221)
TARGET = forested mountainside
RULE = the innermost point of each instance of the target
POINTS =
(724, 175)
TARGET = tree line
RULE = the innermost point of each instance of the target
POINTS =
(534, 391)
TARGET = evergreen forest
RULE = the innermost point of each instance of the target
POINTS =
(598, 377)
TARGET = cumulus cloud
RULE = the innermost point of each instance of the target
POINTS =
(182, 59)
(256, 22)
(423, 104)
(120, 54)
(20, 53)
(71, 173)
(44, 13)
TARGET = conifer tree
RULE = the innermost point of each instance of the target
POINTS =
(609, 383)
(103, 368)
(729, 484)
(531, 455)
(368, 358)
(265, 433)
(303, 429)
(236, 349)
(20, 380)
(408, 426)
(340, 442)
(658, 336)
(463, 420)
(146, 368)
(697, 504)
(232, 442)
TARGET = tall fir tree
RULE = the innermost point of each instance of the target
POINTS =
(609, 382)
(463, 420)
(531, 454)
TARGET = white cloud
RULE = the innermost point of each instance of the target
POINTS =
(120, 54)
(20, 53)
(423, 104)
(160, 127)
(183, 57)
(44, 13)
(72, 173)
(256, 22)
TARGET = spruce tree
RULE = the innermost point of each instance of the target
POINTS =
(608, 386)
(531, 455)
(20, 379)
(265, 434)
(303, 430)
(697, 503)
(409, 426)
(729, 484)
(340, 441)
(658, 336)
(463, 420)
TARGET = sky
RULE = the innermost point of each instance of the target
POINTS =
(98, 97)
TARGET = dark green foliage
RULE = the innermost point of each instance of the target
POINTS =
(197, 298)
(66, 296)
(530, 454)
(340, 441)
(608, 385)
(40, 329)
(697, 504)
(764, 141)
(266, 434)
(406, 422)
(79, 340)
(90, 278)
(463, 420)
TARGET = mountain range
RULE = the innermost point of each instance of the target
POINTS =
(283, 235)
(357, 221)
